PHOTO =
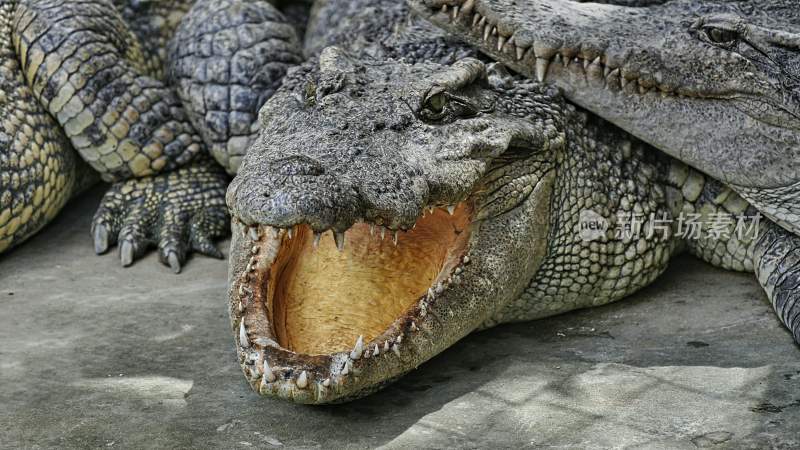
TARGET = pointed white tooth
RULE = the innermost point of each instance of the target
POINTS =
(290, 233)
(501, 42)
(494, 31)
(445, 8)
(482, 22)
(431, 294)
(468, 6)
(414, 326)
(358, 350)
(372, 229)
(451, 209)
(327, 382)
(430, 209)
(268, 374)
(377, 351)
(241, 307)
(520, 53)
(346, 368)
(243, 339)
(400, 339)
(338, 236)
(454, 14)
(385, 346)
(466, 259)
(396, 349)
(253, 233)
(395, 238)
(477, 18)
(541, 69)
(317, 237)
(606, 71)
(302, 380)
(367, 353)
(487, 31)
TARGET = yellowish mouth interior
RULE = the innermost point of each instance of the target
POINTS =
(322, 299)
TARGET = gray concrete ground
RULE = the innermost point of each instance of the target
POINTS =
(96, 356)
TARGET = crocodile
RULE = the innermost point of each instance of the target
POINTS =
(397, 190)
(405, 191)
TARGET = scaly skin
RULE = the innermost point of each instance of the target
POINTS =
(358, 136)
(713, 83)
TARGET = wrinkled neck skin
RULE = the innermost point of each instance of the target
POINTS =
(714, 84)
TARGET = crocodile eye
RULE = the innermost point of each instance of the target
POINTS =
(436, 103)
(721, 35)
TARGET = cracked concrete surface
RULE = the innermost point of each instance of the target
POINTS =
(96, 356)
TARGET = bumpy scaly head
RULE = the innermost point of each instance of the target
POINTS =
(371, 212)
(713, 83)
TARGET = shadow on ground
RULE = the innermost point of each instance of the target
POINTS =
(93, 355)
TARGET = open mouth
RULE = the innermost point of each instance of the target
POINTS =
(313, 308)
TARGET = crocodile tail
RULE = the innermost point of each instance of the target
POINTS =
(37, 163)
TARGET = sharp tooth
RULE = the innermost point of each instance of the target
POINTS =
(358, 350)
(395, 238)
(302, 380)
(541, 69)
(290, 233)
(372, 229)
(243, 340)
(454, 14)
(445, 8)
(476, 19)
(501, 41)
(468, 5)
(338, 236)
(377, 351)
(520, 53)
(494, 31)
(430, 209)
(253, 231)
(346, 368)
(268, 374)
(431, 294)
(482, 22)
(414, 326)
(586, 63)
(385, 346)
(400, 339)
(317, 237)
(451, 209)
(327, 382)
(466, 259)
(396, 349)
(487, 30)
(558, 59)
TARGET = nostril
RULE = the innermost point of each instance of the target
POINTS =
(298, 165)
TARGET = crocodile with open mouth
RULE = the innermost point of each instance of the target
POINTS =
(397, 192)
(404, 192)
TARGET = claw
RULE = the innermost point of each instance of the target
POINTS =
(100, 239)
(126, 253)
(174, 263)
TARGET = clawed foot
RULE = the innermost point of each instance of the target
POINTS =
(179, 212)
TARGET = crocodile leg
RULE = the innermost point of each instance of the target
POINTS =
(777, 266)
(179, 211)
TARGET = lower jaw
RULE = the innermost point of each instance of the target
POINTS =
(318, 325)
